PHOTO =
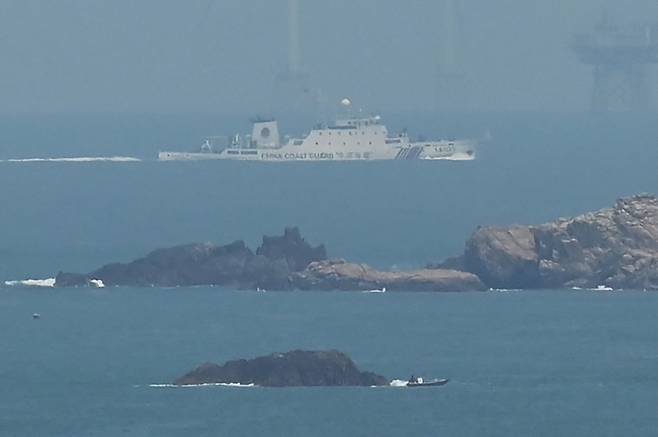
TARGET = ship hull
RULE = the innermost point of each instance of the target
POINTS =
(462, 151)
(183, 156)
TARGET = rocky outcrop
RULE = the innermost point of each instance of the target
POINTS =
(502, 256)
(207, 264)
(193, 264)
(341, 275)
(292, 248)
(64, 279)
(280, 263)
(290, 369)
(616, 247)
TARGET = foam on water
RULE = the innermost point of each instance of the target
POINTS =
(78, 159)
(455, 157)
(96, 283)
(602, 288)
(394, 383)
(597, 288)
(213, 384)
(48, 282)
(399, 383)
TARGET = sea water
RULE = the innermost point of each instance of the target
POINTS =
(520, 363)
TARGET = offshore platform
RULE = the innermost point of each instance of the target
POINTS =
(620, 57)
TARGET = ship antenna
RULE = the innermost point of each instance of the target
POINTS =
(347, 104)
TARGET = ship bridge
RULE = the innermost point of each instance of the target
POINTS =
(357, 123)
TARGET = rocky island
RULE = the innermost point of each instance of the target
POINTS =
(291, 369)
(284, 262)
(233, 264)
(338, 274)
(615, 247)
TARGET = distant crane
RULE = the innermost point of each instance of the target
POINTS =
(620, 58)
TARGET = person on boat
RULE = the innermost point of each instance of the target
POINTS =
(413, 379)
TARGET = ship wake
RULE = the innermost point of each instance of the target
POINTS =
(455, 157)
(45, 283)
(74, 159)
(214, 384)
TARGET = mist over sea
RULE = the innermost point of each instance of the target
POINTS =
(521, 363)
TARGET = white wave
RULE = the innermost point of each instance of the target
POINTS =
(48, 282)
(455, 157)
(505, 290)
(211, 384)
(602, 288)
(394, 383)
(597, 288)
(97, 283)
(399, 383)
(78, 159)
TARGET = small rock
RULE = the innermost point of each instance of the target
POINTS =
(290, 369)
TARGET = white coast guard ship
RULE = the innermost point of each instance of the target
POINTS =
(350, 139)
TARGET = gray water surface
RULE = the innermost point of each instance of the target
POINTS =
(520, 363)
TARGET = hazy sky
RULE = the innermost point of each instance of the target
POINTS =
(222, 55)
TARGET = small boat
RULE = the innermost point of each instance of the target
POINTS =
(418, 382)
(36, 316)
